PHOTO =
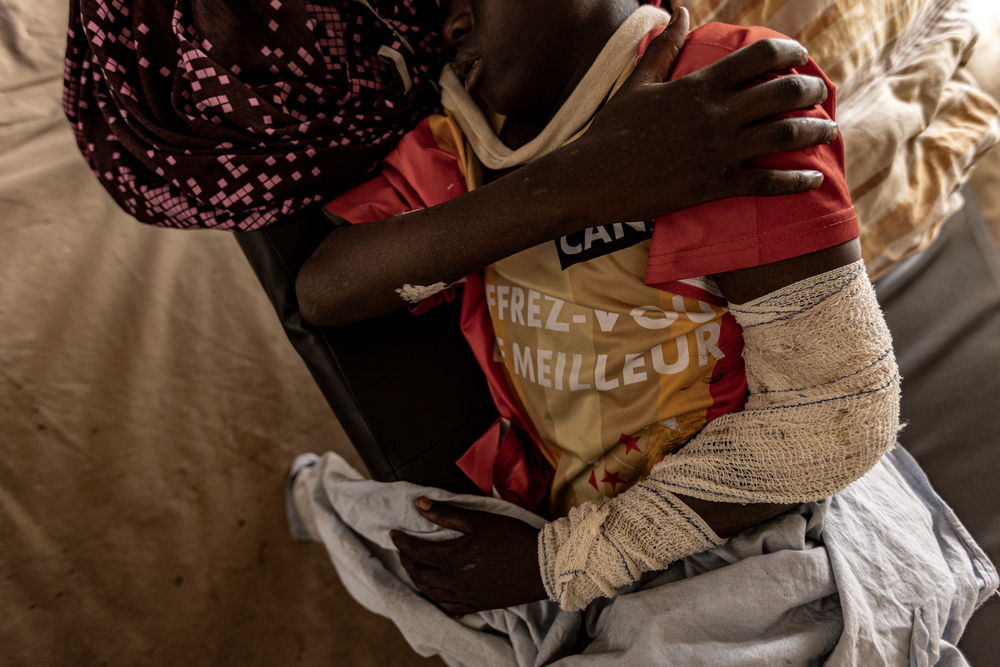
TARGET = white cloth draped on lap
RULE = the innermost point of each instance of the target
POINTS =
(881, 573)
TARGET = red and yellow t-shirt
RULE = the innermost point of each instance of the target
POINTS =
(610, 347)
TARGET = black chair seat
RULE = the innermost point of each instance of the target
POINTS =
(406, 388)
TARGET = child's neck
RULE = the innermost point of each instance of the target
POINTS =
(520, 128)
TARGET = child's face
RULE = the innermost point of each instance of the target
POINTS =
(517, 55)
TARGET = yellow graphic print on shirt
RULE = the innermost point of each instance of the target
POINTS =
(612, 373)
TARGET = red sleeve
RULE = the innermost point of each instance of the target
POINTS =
(417, 173)
(743, 232)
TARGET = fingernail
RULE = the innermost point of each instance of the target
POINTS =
(423, 504)
(834, 132)
(817, 178)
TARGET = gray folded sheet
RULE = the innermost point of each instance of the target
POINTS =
(943, 308)
(882, 573)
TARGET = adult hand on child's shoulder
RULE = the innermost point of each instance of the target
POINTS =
(695, 133)
(493, 565)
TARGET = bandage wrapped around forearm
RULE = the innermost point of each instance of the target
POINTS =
(823, 406)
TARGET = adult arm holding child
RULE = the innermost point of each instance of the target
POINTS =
(694, 133)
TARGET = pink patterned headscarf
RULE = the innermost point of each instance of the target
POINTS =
(231, 114)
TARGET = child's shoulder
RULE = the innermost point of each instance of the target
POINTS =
(423, 169)
(713, 41)
(730, 37)
(435, 132)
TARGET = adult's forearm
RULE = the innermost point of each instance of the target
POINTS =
(355, 273)
(653, 149)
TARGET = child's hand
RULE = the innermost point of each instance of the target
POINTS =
(493, 565)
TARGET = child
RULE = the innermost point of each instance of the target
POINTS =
(617, 351)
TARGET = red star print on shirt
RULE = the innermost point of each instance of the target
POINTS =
(593, 480)
(631, 443)
(613, 479)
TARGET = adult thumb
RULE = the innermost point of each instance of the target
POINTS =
(659, 58)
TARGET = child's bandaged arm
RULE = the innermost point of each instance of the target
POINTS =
(823, 406)
(728, 519)
(823, 398)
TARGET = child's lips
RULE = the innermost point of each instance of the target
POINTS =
(472, 73)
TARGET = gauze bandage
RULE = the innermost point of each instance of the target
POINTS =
(823, 406)
(417, 293)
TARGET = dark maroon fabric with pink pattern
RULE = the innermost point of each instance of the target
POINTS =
(231, 114)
